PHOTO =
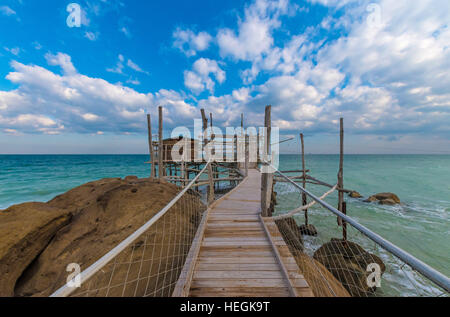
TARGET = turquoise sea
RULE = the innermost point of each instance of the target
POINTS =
(421, 226)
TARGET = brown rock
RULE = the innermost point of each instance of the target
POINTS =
(104, 214)
(389, 202)
(385, 196)
(370, 200)
(308, 230)
(25, 230)
(131, 178)
(320, 280)
(291, 233)
(355, 194)
(348, 262)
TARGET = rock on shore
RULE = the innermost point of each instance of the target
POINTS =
(385, 199)
(39, 240)
(348, 262)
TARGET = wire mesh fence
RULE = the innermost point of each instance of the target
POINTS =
(334, 266)
(148, 263)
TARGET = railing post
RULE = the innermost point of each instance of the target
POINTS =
(247, 153)
(304, 198)
(266, 178)
(341, 172)
(210, 189)
(160, 146)
(150, 145)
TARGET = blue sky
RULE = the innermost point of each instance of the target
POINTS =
(382, 65)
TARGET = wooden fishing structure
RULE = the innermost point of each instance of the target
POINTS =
(240, 246)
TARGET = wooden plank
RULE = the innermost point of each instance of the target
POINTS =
(236, 253)
(256, 282)
(237, 267)
(238, 260)
(239, 292)
(236, 275)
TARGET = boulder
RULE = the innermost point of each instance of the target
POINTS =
(348, 262)
(291, 233)
(104, 213)
(388, 202)
(385, 196)
(308, 230)
(320, 280)
(355, 194)
(25, 231)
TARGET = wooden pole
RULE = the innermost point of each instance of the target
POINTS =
(341, 170)
(304, 198)
(247, 154)
(210, 169)
(344, 224)
(150, 145)
(160, 146)
(266, 179)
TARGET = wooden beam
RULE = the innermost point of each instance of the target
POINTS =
(150, 145)
(160, 145)
(304, 198)
(341, 170)
(266, 178)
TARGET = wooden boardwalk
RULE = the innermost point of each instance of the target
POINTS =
(239, 254)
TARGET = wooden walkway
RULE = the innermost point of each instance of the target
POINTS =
(236, 253)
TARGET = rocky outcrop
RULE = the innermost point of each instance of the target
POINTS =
(348, 262)
(308, 230)
(25, 231)
(104, 213)
(291, 233)
(355, 194)
(320, 280)
(385, 199)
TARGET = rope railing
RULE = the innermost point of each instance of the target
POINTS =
(149, 262)
(364, 264)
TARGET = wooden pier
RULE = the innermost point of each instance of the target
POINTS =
(237, 253)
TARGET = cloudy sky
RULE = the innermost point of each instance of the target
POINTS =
(382, 65)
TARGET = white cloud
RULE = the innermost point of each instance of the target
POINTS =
(91, 36)
(14, 50)
(125, 31)
(48, 103)
(62, 60)
(5, 10)
(254, 36)
(118, 69)
(199, 78)
(190, 43)
(135, 67)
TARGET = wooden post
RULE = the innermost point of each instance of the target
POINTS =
(257, 147)
(160, 146)
(304, 198)
(210, 169)
(150, 145)
(266, 178)
(344, 224)
(247, 153)
(341, 170)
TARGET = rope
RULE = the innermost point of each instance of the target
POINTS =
(300, 209)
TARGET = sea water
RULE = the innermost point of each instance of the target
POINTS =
(420, 226)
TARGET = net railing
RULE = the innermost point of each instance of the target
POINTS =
(149, 262)
(362, 265)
